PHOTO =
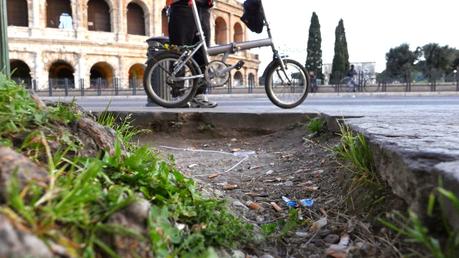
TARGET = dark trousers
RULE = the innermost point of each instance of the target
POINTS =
(183, 31)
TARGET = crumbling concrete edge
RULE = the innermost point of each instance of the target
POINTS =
(412, 176)
(229, 121)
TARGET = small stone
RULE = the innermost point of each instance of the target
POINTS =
(239, 204)
(238, 254)
(324, 232)
(288, 183)
(266, 256)
(269, 172)
(139, 210)
(218, 193)
(318, 243)
(301, 234)
(308, 246)
(221, 253)
(260, 219)
(331, 239)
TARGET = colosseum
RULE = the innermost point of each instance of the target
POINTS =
(78, 43)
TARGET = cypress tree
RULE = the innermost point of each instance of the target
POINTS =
(341, 58)
(314, 57)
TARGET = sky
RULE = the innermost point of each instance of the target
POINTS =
(372, 27)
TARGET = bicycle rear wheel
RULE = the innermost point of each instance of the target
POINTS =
(165, 89)
(286, 88)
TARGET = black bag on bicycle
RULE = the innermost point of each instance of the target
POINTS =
(253, 15)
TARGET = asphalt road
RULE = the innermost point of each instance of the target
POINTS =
(332, 104)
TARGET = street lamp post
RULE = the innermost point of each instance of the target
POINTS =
(457, 79)
(4, 58)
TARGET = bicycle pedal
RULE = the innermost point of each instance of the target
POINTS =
(239, 65)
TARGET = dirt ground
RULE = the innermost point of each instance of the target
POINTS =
(254, 172)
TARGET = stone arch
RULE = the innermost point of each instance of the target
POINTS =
(164, 22)
(20, 72)
(136, 19)
(238, 80)
(136, 72)
(99, 16)
(101, 74)
(54, 10)
(220, 31)
(238, 32)
(61, 74)
(251, 80)
(17, 13)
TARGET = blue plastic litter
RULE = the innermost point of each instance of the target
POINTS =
(290, 203)
(307, 202)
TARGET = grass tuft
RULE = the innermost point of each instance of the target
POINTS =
(317, 125)
(442, 241)
(73, 209)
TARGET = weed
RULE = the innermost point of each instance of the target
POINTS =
(355, 149)
(283, 227)
(268, 229)
(317, 125)
(412, 228)
(17, 109)
(366, 191)
(122, 126)
(64, 113)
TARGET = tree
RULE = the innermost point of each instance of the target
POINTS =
(400, 62)
(341, 58)
(456, 60)
(438, 60)
(314, 57)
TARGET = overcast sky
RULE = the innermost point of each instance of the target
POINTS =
(372, 27)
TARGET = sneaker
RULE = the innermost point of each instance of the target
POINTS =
(201, 101)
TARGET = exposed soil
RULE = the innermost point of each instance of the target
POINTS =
(264, 167)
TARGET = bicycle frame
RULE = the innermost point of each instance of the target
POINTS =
(231, 47)
(226, 49)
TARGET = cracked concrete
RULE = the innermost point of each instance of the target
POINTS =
(413, 151)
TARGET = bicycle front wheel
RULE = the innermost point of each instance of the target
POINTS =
(163, 87)
(286, 88)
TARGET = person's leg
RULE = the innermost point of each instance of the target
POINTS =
(180, 33)
(204, 15)
(200, 99)
(181, 25)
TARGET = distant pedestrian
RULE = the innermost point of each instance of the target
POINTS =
(313, 81)
(351, 78)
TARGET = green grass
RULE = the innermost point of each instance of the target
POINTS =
(317, 125)
(82, 193)
(355, 150)
(366, 192)
(19, 112)
(441, 240)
